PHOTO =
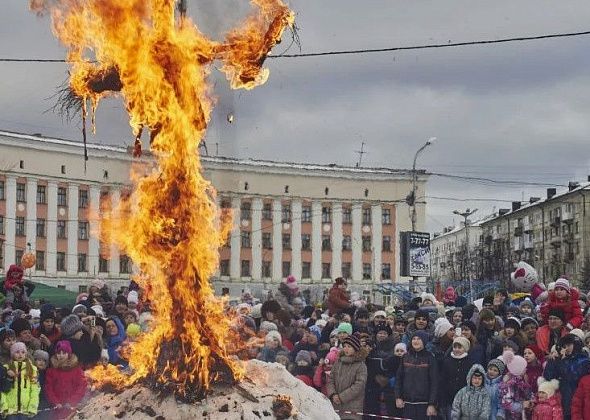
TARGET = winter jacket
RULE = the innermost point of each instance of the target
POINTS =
(115, 342)
(581, 400)
(453, 372)
(518, 338)
(269, 355)
(550, 409)
(348, 379)
(532, 374)
(338, 300)
(87, 351)
(547, 338)
(314, 349)
(304, 374)
(477, 354)
(23, 396)
(491, 343)
(53, 336)
(492, 386)
(513, 392)
(64, 384)
(570, 308)
(568, 371)
(285, 297)
(417, 377)
(472, 403)
(379, 364)
(411, 329)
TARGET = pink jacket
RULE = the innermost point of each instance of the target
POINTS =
(550, 409)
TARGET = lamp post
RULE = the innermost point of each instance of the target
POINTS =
(465, 216)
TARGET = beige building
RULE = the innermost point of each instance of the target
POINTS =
(316, 222)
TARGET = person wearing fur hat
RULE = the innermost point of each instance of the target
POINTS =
(472, 402)
(22, 398)
(564, 297)
(416, 384)
(47, 332)
(487, 334)
(323, 370)
(346, 383)
(549, 335)
(338, 300)
(23, 332)
(534, 369)
(494, 376)
(514, 389)
(65, 384)
(84, 345)
(548, 404)
(381, 367)
(581, 400)
(453, 371)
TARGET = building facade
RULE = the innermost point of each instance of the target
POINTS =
(316, 222)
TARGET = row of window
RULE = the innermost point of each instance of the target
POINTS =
(62, 195)
(41, 228)
(245, 269)
(246, 242)
(125, 263)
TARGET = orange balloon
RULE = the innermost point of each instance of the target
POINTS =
(28, 260)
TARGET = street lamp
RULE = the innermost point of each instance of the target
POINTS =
(465, 214)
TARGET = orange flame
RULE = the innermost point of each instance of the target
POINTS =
(170, 225)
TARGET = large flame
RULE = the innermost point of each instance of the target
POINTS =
(170, 225)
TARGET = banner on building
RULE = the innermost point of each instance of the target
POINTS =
(415, 254)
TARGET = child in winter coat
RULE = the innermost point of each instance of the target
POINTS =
(472, 402)
(565, 298)
(496, 368)
(324, 369)
(548, 405)
(65, 384)
(581, 400)
(303, 369)
(514, 389)
(41, 359)
(534, 369)
(272, 346)
(22, 399)
(453, 371)
(346, 383)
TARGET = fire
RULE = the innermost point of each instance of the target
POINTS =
(170, 226)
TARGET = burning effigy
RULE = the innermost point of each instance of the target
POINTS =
(158, 62)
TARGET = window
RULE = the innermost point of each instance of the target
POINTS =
(2, 190)
(267, 211)
(326, 245)
(40, 228)
(103, 265)
(286, 214)
(577, 228)
(245, 268)
(366, 271)
(20, 226)
(346, 215)
(386, 244)
(224, 268)
(266, 240)
(60, 261)
(82, 263)
(1, 225)
(286, 268)
(83, 199)
(326, 274)
(366, 215)
(286, 241)
(386, 216)
(346, 243)
(306, 214)
(41, 194)
(245, 211)
(124, 264)
(245, 240)
(386, 271)
(61, 229)
(346, 270)
(18, 256)
(62, 197)
(305, 269)
(305, 242)
(366, 243)
(83, 231)
(20, 193)
(40, 263)
(326, 214)
(266, 269)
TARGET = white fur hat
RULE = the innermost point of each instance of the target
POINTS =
(548, 387)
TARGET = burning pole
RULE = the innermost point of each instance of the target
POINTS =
(170, 225)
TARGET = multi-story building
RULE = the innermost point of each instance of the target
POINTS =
(551, 234)
(316, 222)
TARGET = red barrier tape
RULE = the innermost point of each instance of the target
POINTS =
(375, 416)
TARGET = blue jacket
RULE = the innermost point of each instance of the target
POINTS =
(568, 371)
(492, 387)
(114, 342)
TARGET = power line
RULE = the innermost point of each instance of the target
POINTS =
(495, 181)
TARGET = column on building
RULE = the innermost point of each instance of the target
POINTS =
(296, 207)
(357, 242)
(277, 240)
(316, 240)
(72, 259)
(336, 240)
(31, 219)
(376, 240)
(10, 231)
(396, 271)
(114, 261)
(51, 242)
(235, 242)
(256, 239)
(93, 241)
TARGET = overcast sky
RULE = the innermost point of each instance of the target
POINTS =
(508, 111)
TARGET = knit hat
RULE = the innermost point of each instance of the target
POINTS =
(268, 326)
(422, 335)
(422, 313)
(511, 344)
(315, 330)
(470, 325)
(538, 352)
(468, 311)
(255, 312)
(63, 346)
(382, 326)
(516, 365)
(578, 333)
(563, 283)
(486, 314)
(19, 325)
(528, 320)
(548, 387)
(6, 333)
(41, 355)
(556, 312)
(273, 335)
(527, 302)
(512, 322)
(428, 296)
(70, 325)
(353, 342)
(291, 283)
(303, 356)
(441, 327)
(499, 364)
(79, 309)
(551, 286)
(133, 330)
(380, 313)
(133, 297)
(463, 342)
(332, 356)
(400, 346)
(18, 346)
(345, 327)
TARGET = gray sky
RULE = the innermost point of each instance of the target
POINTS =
(508, 111)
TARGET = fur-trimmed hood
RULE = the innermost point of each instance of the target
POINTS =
(70, 363)
(358, 356)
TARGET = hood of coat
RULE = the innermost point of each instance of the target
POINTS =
(358, 356)
(476, 368)
(70, 363)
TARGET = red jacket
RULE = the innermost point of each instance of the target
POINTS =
(64, 384)
(550, 409)
(544, 338)
(570, 307)
(581, 400)
(337, 300)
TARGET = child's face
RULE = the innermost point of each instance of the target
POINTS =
(132, 305)
(509, 331)
(342, 336)
(457, 318)
(399, 352)
(346, 318)
(8, 342)
(493, 372)
(466, 332)
(19, 355)
(542, 395)
(529, 356)
(476, 381)
(48, 324)
(421, 323)
(130, 319)
(560, 293)
(568, 349)
(381, 336)
(61, 356)
(272, 344)
(121, 308)
(417, 344)
(333, 340)
(41, 364)
(348, 350)
(458, 349)
(526, 310)
(400, 327)
(508, 348)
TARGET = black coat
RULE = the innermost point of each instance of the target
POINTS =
(88, 352)
(380, 362)
(453, 377)
(417, 377)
